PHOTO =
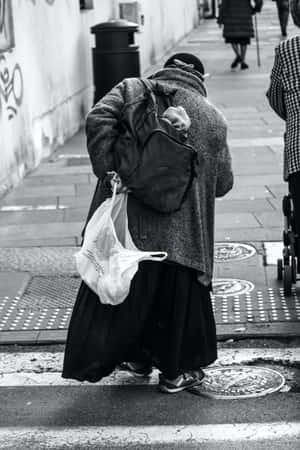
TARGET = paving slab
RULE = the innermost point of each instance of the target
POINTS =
(257, 142)
(251, 269)
(11, 199)
(258, 180)
(85, 189)
(41, 191)
(236, 220)
(224, 205)
(267, 218)
(278, 190)
(276, 202)
(63, 179)
(48, 230)
(31, 217)
(76, 214)
(248, 234)
(51, 169)
(39, 260)
(40, 242)
(254, 168)
(13, 284)
(74, 202)
(244, 192)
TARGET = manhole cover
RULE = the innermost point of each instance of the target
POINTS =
(231, 251)
(233, 382)
(226, 287)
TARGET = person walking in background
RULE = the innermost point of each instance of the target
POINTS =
(236, 18)
(283, 10)
(284, 98)
(167, 319)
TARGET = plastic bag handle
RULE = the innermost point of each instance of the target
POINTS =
(113, 198)
(155, 255)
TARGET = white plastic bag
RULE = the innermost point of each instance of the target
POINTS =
(108, 258)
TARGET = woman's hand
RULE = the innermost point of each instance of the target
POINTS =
(115, 179)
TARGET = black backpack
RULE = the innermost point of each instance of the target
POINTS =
(153, 159)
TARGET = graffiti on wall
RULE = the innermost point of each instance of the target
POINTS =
(11, 87)
(6, 26)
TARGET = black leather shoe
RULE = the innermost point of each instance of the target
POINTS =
(235, 62)
(244, 66)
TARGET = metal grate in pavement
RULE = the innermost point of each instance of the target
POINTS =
(48, 301)
(50, 292)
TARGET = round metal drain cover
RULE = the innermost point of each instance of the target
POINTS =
(232, 251)
(233, 382)
(227, 287)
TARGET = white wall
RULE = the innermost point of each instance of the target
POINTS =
(47, 76)
(166, 21)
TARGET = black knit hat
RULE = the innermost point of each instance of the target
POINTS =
(186, 59)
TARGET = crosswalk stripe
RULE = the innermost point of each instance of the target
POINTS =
(49, 437)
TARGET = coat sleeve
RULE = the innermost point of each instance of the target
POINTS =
(102, 130)
(224, 172)
(275, 93)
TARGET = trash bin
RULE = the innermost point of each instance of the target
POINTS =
(115, 55)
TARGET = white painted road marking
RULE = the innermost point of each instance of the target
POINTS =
(144, 435)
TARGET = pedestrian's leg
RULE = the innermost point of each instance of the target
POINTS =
(283, 15)
(237, 59)
(244, 65)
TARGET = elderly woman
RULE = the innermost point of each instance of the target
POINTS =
(167, 319)
(284, 97)
(236, 17)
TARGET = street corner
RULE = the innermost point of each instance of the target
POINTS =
(247, 298)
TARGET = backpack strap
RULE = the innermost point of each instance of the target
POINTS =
(155, 96)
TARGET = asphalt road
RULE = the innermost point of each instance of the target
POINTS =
(79, 413)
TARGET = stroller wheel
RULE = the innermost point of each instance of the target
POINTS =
(286, 206)
(287, 280)
(279, 269)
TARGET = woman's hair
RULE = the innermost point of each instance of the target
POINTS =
(185, 60)
(295, 11)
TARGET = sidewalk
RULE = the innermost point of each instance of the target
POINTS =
(41, 220)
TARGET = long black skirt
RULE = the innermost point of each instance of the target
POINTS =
(166, 320)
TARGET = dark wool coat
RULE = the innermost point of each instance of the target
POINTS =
(236, 16)
(283, 4)
(188, 234)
